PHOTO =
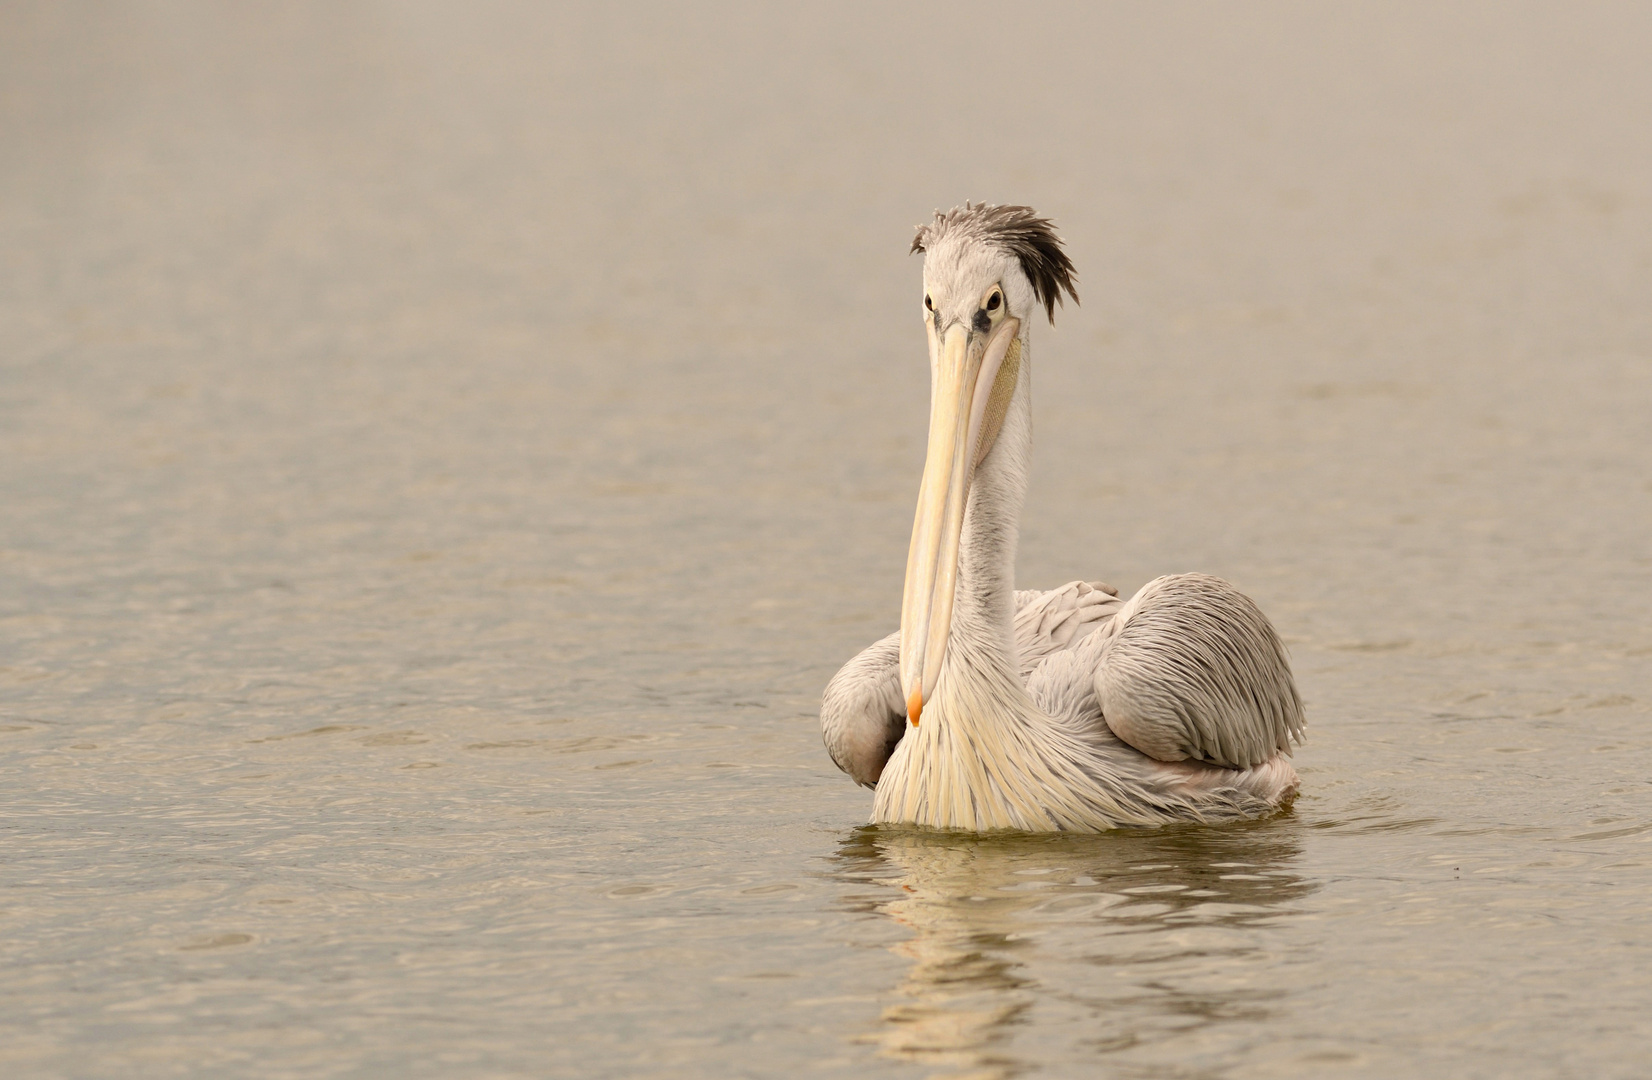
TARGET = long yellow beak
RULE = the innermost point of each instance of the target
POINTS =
(972, 378)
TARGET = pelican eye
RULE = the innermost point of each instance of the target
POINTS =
(928, 303)
(994, 300)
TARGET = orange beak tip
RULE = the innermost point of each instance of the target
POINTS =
(915, 706)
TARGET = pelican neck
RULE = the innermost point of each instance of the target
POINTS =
(983, 628)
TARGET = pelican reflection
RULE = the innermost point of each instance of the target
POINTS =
(1142, 938)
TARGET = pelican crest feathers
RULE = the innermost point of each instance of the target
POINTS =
(1020, 231)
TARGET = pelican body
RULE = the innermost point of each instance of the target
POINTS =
(1066, 710)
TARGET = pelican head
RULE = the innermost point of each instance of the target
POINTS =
(987, 270)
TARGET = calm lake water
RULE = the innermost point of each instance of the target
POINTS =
(445, 449)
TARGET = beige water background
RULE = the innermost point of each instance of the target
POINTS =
(444, 450)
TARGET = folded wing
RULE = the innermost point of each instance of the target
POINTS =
(1050, 622)
(862, 715)
(1190, 668)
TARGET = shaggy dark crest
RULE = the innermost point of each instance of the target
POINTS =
(1021, 232)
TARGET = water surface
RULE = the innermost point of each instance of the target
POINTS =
(444, 450)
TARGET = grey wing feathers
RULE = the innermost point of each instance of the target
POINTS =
(1050, 622)
(1191, 668)
(862, 715)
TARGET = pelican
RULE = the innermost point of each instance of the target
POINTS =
(1065, 710)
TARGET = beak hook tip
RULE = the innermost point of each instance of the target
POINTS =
(915, 706)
